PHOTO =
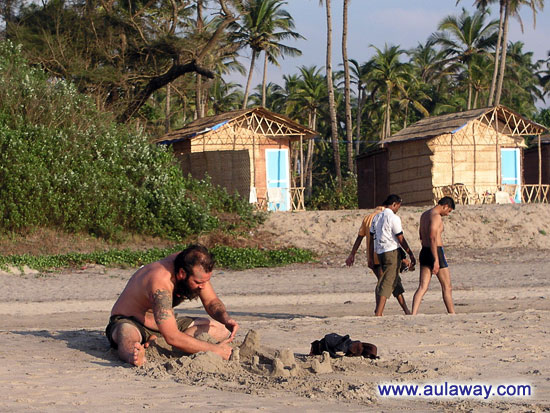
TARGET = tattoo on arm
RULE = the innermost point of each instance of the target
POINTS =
(162, 306)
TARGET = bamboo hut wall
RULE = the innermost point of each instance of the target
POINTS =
(410, 171)
(228, 169)
(237, 138)
(474, 163)
(372, 179)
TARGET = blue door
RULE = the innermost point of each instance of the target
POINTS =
(278, 179)
(510, 169)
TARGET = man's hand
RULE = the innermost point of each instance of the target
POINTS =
(232, 326)
(223, 349)
(371, 263)
(350, 260)
(435, 268)
(151, 340)
(413, 262)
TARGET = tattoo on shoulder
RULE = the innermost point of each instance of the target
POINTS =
(162, 305)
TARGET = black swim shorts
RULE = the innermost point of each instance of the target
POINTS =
(427, 259)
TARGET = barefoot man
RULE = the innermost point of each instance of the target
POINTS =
(432, 257)
(364, 231)
(386, 235)
(144, 310)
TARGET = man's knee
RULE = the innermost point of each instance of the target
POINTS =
(126, 332)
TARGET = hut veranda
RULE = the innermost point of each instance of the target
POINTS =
(471, 155)
(247, 151)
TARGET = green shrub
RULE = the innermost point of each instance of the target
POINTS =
(226, 257)
(327, 196)
(65, 164)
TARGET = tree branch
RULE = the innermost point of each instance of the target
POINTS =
(159, 82)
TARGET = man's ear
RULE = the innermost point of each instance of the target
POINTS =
(181, 274)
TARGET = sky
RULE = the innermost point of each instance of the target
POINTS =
(376, 22)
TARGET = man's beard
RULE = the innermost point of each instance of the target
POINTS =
(182, 292)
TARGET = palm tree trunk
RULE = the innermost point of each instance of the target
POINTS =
(347, 93)
(198, 97)
(167, 109)
(198, 82)
(309, 156)
(360, 100)
(249, 80)
(387, 113)
(497, 54)
(502, 66)
(332, 106)
(264, 80)
(469, 94)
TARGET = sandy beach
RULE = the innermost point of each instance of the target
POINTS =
(54, 356)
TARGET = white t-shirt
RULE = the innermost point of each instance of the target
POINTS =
(385, 227)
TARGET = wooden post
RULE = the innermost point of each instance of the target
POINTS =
(475, 154)
(254, 162)
(452, 161)
(497, 151)
(540, 161)
(301, 162)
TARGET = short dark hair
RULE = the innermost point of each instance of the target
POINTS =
(194, 254)
(391, 199)
(447, 200)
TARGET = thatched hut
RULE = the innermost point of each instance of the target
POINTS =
(469, 155)
(246, 151)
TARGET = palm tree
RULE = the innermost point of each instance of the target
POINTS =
(225, 96)
(511, 7)
(390, 75)
(347, 93)
(332, 105)
(522, 82)
(465, 36)
(264, 25)
(544, 74)
(507, 8)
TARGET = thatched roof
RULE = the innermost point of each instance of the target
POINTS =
(288, 127)
(453, 122)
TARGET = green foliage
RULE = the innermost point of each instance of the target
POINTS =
(327, 196)
(226, 257)
(64, 164)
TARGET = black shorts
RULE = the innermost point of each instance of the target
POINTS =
(427, 259)
(146, 333)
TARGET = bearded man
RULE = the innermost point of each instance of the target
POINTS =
(144, 310)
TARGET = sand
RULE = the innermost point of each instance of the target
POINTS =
(54, 355)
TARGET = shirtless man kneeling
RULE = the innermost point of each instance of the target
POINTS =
(432, 258)
(144, 310)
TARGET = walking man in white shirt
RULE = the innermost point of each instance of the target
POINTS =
(386, 236)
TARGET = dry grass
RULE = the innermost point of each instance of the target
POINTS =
(50, 242)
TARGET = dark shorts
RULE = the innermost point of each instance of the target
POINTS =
(427, 259)
(146, 333)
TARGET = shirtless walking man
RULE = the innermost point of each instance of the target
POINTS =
(144, 310)
(432, 257)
